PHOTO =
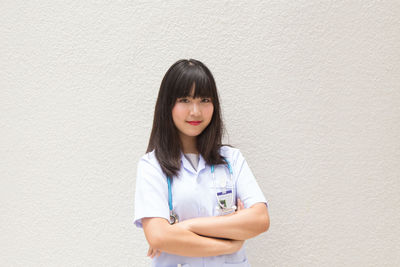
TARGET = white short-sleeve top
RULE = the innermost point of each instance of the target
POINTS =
(193, 195)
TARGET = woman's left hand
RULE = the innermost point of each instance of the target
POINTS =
(240, 205)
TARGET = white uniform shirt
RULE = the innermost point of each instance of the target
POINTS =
(193, 195)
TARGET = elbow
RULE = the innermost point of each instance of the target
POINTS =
(263, 224)
(264, 221)
(260, 226)
(156, 232)
(155, 241)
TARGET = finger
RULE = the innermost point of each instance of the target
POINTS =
(157, 253)
(153, 253)
(241, 205)
(149, 251)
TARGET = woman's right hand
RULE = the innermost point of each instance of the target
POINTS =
(153, 252)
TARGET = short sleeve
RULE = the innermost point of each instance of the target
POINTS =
(151, 193)
(247, 187)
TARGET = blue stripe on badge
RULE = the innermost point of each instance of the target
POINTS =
(221, 193)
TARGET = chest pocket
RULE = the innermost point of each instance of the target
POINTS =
(222, 190)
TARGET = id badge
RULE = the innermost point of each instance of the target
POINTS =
(225, 194)
(225, 199)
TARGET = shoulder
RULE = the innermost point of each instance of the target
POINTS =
(149, 156)
(231, 153)
(149, 161)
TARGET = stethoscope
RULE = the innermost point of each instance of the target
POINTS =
(221, 202)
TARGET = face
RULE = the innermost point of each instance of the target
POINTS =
(192, 115)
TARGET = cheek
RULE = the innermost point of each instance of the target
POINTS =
(178, 112)
(209, 112)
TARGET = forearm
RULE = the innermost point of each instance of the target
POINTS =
(179, 241)
(242, 225)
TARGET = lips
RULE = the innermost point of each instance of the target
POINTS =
(194, 122)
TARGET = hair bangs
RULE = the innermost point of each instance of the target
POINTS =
(195, 83)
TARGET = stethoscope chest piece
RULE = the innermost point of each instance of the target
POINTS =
(173, 217)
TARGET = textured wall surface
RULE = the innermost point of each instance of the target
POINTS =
(310, 92)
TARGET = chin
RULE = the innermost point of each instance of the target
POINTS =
(193, 134)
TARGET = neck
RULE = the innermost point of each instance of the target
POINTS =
(189, 144)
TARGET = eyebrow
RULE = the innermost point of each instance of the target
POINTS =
(189, 96)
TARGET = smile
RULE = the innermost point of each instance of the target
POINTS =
(194, 122)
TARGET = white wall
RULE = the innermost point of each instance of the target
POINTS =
(310, 94)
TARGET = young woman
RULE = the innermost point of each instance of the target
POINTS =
(196, 199)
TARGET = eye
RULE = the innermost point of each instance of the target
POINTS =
(206, 100)
(183, 100)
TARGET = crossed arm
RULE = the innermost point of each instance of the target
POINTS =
(206, 236)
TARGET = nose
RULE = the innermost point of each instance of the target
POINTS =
(195, 110)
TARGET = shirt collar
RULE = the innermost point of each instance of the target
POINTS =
(186, 164)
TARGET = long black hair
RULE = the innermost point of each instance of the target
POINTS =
(164, 138)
